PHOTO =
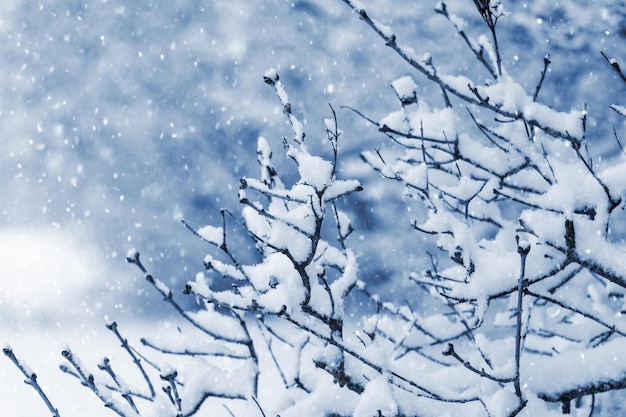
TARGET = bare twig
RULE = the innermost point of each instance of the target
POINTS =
(614, 66)
(546, 63)
(449, 351)
(31, 379)
(112, 326)
(523, 248)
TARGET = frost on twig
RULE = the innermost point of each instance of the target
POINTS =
(99, 388)
(196, 387)
(31, 379)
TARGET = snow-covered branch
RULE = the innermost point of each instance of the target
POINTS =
(526, 177)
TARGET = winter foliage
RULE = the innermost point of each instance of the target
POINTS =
(513, 309)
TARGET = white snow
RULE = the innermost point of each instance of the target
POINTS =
(212, 234)
(576, 368)
(271, 74)
(223, 268)
(509, 96)
(377, 398)
(132, 253)
(341, 286)
(405, 86)
(340, 187)
(314, 170)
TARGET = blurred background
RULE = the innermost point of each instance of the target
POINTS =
(118, 119)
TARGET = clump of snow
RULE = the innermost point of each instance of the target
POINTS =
(278, 282)
(341, 187)
(484, 44)
(384, 29)
(271, 74)
(313, 170)
(271, 77)
(223, 268)
(565, 194)
(459, 83)
(132, 254)
(344, 223)
(212, 234)
(613, 177)
(605, 364)
(406, 89)
(509, 96)
(225, 327)
(346, 282)
(594, 250)
(377, 399)
(168, 371)
(432, 123)
(325, 398)
(263, 149)
(502, 402)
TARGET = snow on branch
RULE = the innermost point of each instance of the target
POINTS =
(31, 378)
(525, 177)
(505, 98)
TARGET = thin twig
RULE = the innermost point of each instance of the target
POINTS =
(523, 248)
(31, 379)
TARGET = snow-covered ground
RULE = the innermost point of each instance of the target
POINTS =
(118, 119)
